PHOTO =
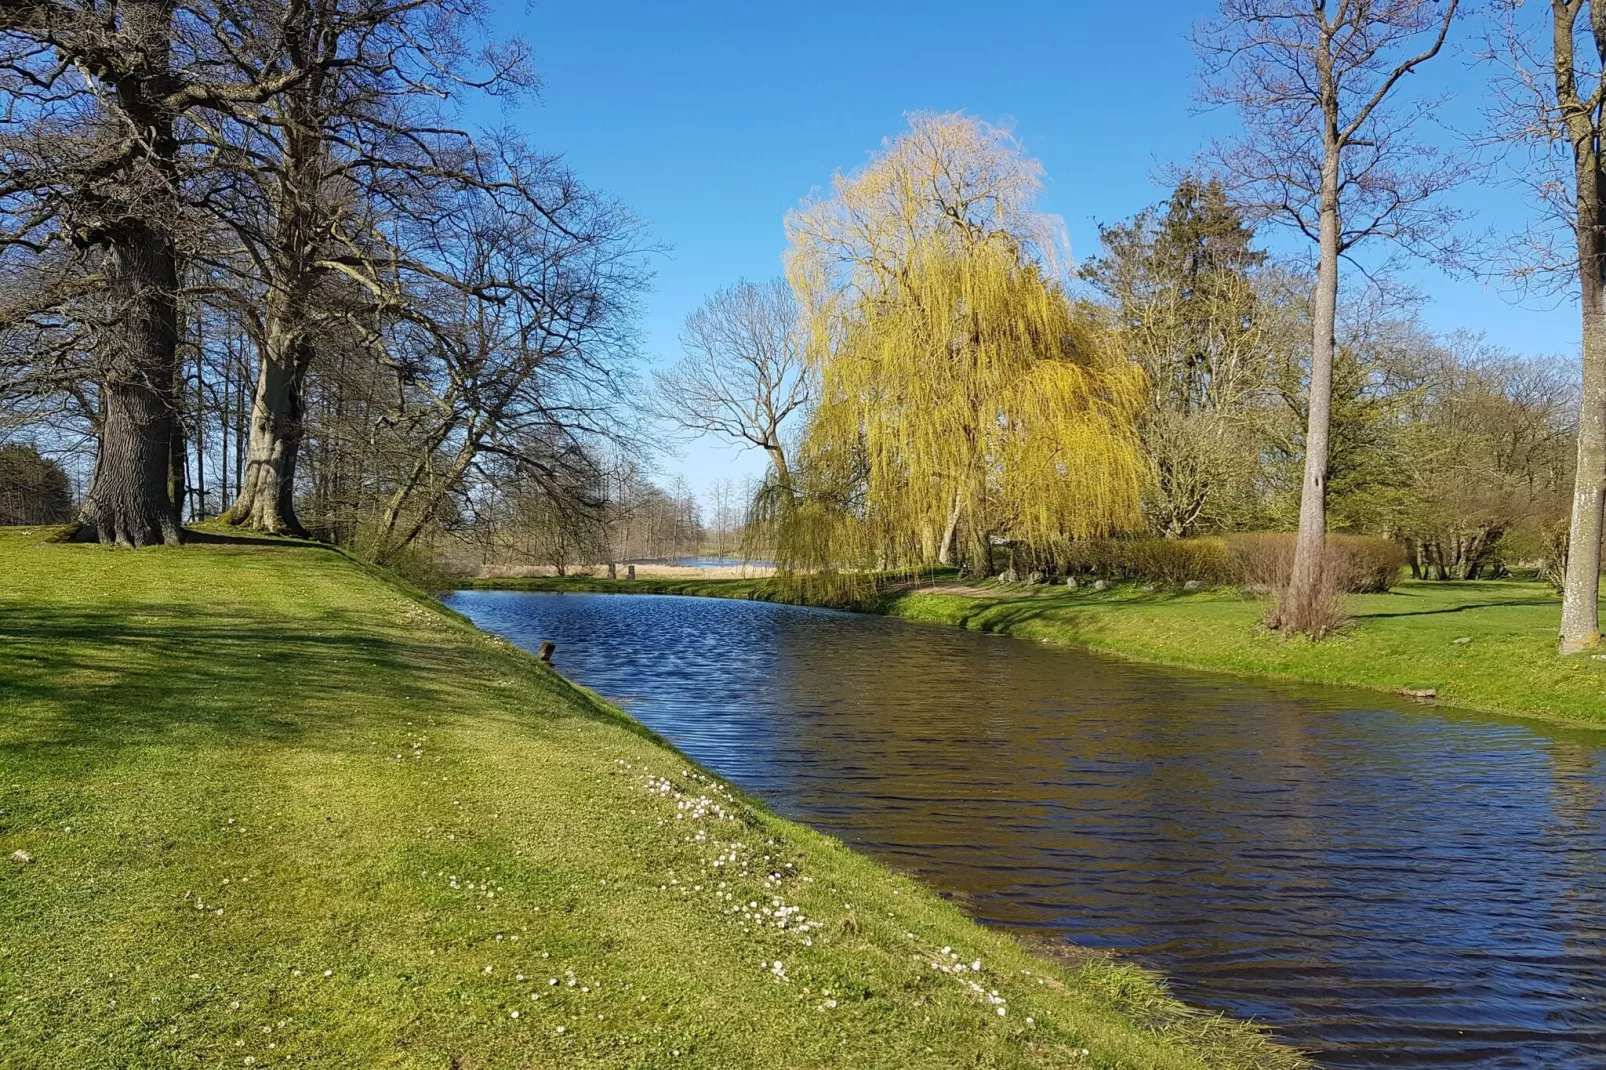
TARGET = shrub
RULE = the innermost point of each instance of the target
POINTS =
(1364, 563)
(1354, 563)
(1156, 560)
(1261, 559)
(1318, 615)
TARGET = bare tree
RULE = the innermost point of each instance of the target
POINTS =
(517, 343)
(743, 371)
(1550, 100)
(94, 164)
(317, 173)
(1327, 150)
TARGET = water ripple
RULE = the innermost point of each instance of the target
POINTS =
(1389, 887)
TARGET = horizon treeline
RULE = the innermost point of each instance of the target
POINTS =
(256, 264)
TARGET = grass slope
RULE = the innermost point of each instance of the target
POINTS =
(283, 811)
(1403, 639)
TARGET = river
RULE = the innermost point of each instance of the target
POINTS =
(1386, 885)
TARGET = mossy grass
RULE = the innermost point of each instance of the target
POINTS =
(283, 810)
(1482, 645)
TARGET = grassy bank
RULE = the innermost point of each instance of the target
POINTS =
(282, 811)
(1405, 639)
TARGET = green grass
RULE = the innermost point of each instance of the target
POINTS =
(284, 811)
(1405, 639)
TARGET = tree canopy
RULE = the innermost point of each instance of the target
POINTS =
(962, 391)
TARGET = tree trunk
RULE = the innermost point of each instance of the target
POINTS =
(267, 491)
(1580, 599)
(460, 464)
(777, 454)
(267, 495)
(980, 550)
(1305, 583)
(131, 503)
(945, 552)
(199, 512)
(1580, 602)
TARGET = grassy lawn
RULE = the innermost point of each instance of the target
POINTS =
(283, 811)
(1403, 639)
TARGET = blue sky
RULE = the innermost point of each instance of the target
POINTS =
(711, 119)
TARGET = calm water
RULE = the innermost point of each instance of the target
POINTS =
(1389, 886)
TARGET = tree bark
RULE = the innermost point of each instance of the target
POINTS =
(1580, 603)
(945, 552)
(131, 503)
(1580, 600)
(777, 455)
(980, 549)
(1305, 583)
(267, 491)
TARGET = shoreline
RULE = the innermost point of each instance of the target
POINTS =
(278, 805)
(1451, 637)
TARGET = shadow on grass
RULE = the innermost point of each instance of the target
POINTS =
(82, 685)
(196, 536)
(1468, 607)
(1004, 615)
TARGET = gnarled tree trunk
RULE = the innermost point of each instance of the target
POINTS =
(131, 503)
(266, 500)
(267, 492)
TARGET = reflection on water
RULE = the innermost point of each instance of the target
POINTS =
(1388, 887)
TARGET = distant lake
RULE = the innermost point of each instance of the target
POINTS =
(1387, 885)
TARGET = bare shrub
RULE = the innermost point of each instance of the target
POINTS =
(1364, 564)
(1352, 563)
(1261, 559)
(1317, 613)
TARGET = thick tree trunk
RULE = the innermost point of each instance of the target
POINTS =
(1305, 584)
(131, 503)
(267, 491)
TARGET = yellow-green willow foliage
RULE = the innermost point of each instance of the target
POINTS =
(962, 395)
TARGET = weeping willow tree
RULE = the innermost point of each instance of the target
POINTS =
(962, 395)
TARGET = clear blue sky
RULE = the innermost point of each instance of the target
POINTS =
(711, 119)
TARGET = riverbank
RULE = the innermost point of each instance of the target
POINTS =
(277, 808)
(1484, 645)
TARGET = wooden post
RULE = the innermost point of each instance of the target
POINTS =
(630, 572)
(547, 649)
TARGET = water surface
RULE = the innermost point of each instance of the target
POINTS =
(1388, 886)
